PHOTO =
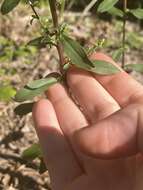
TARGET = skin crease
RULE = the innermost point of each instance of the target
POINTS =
(99, 148)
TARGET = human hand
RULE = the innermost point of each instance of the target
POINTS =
(98, 148)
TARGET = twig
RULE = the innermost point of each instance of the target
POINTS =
(124, 33)
(89, 7)
(56, 25)
(33, 9)
(36, 14)
(86, 11)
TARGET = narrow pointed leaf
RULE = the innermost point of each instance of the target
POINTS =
(24, 109)
(32, 152)
(117, 54)
(27, 93)
(104, 68)
(9, 5)
(41, 82)
(116, 12)
(38, 42)
(75, 51)
(106, 5)
(134, 67)
(79, 58)
(101, 68)
(138, 13)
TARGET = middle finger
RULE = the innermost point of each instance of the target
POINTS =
(96, 102)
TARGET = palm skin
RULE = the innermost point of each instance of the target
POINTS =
(98, 148)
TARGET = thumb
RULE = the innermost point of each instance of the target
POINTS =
(117, 136)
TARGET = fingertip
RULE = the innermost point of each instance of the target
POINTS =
(40, 104)
(75, 76)
(44, 114)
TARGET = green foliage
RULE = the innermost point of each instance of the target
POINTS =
(32, 152)
(79, 58)
(104, 68)
(10, 51)
(134, 67)
(134, 40)
(9, 5)
(138, 13)
(41, 42)
(118, 53)
(6, 93)
(42, 82)
(106, 5)
(37, 42)
(30, 90)
(116, 12)
(24, 109)
(75, 52)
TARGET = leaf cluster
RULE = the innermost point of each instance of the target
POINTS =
(75, 53)
(110, 7)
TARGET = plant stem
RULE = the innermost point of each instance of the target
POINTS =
(124, 33)
(36, 14)
(33, 9)
(89, 7)
(56, 25)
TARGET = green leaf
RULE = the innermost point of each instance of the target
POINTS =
(101, 68)
(117, 54)
(75, 52)
(106, 5)
(116, 12)
(134, 67)
(138, 13)
(41, 82)
(37, 42)
(9, 5)
(27, 93)
(6, 93)
(79, 58)
(104, 68)
(135, 40)
(32, 152)
(24, 109)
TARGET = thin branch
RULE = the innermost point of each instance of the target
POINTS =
(36, 14)
(56, 25)
(33, 9)
(124, 33)
(54, 13)
(89, 7)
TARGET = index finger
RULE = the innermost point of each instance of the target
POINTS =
(122, 87)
